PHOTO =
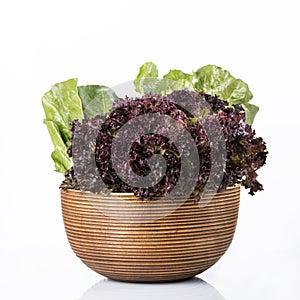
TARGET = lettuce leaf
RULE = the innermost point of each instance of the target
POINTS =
(250, 111)
(214, 80)
(59, 155)
(146, 80)
(96, 99)
(61, 105)
(178, 76)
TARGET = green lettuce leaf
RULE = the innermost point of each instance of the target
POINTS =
(251, 111)
(61, 105)
(214, 80)
(147, 79)
(96, 99)
(61, 160)
(183, 80)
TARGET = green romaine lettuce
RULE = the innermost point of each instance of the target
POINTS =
(96, 99)
(59, 155)
(178, 76)
(146, 80)
(216, 81)
(251, 111)
(61, 105)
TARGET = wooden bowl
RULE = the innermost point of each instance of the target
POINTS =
(177, 246)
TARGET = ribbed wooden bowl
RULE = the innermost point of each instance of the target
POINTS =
(179, 246)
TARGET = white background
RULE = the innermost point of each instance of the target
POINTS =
(105, 42)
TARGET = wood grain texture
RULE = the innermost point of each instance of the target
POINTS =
(178, 246)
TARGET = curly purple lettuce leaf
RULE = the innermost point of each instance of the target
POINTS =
(245, 152)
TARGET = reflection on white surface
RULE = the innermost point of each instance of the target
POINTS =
(194, 288)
